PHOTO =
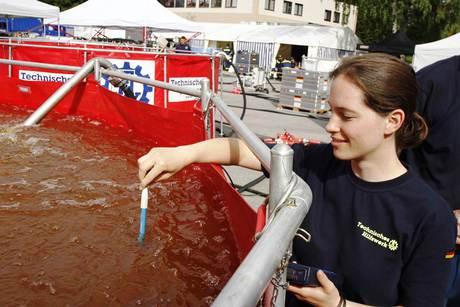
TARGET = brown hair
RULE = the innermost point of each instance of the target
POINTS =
(388, 84)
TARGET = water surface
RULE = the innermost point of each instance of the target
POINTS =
(69, 219)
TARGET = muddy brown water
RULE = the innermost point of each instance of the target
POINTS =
(69, 220)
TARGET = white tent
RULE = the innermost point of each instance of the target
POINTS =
(429, 53)
(29, 8)
(303, 35)
(122, 13)
(323, 41)
(308, 35)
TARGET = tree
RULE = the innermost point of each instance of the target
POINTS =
(423, 20)
(64, 4)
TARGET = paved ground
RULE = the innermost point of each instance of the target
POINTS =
(263, 118)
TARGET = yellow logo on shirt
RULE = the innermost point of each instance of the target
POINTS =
(378, 237)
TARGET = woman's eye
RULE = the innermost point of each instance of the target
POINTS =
(348, 116)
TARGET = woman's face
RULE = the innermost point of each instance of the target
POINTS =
(357, 131)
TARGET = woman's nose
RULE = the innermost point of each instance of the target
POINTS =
(332, 125)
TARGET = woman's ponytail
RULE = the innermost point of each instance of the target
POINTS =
(412, 132)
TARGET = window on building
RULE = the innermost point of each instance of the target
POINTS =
(327, 15)
(287, 7)
(204, 3)
(336, 17)
(270, 5)
(216, 3)
(231, 3)
(298, 9)
(191, 3)
(180, 3)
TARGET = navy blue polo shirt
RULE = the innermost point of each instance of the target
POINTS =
(437, 159)
(182, 47)
(387, 240)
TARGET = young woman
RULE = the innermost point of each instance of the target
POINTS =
(372, 221)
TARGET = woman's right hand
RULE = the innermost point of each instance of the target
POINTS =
(161, 163)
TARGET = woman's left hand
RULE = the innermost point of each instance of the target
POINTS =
(326, 295)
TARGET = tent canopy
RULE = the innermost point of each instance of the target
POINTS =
(426, 54)
(122, 13)
(29, 8)
(303, 35)
(397, 43)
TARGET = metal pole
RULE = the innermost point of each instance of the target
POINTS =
(85, 54)
(253, 141)
(97, 71)
(165, 79)
(213, 87)
(248, 283)
(40, 65)
(25, 44)
(205, 95)
(10, 55)
(184, 90)
(53, 100)
(221, 75)
(281, 174)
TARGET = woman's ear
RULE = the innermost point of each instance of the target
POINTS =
(394, 120)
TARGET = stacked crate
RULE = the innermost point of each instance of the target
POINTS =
(304, 90)
(245, 61)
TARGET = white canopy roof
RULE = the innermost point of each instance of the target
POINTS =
(30, 8)
(303, 35)
(122, 13)
(429, 53)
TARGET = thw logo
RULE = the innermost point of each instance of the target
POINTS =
(146, 69)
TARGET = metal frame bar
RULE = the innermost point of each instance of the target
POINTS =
(10, 57)
(99, 49)
(184, 90)
(54, 99)
(165, 79)
(40, 65)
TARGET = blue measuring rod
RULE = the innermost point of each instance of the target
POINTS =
(143, 217)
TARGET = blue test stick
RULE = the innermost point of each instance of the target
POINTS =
(143, 217)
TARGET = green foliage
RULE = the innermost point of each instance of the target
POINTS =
(64, 4)
(423, 20)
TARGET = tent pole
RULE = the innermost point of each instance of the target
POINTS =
(145, 38)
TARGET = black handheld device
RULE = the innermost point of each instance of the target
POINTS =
(305, 276)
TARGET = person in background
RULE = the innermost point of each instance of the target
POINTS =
(437, 159)
(372, 221)
(277, 71)
(123, 85)
(183, 46)
(229, 52)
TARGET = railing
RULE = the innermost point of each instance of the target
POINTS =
(289, 200)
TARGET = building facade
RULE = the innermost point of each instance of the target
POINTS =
(323, 12)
